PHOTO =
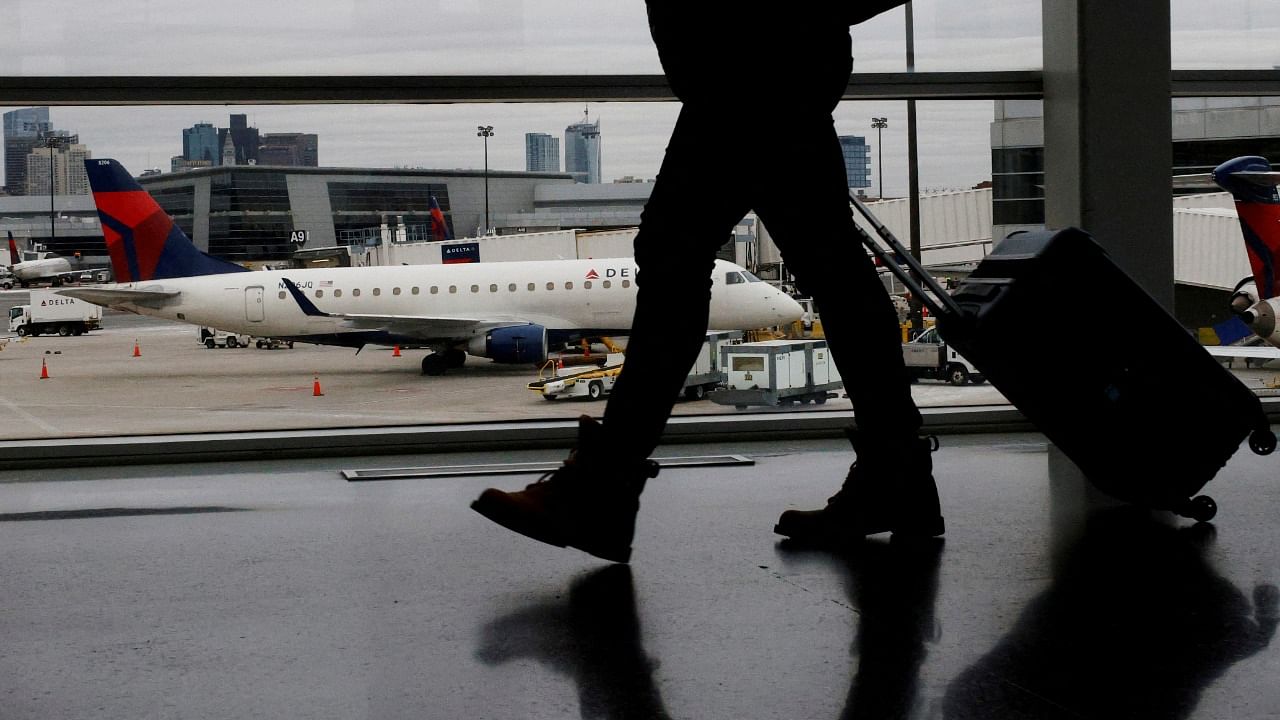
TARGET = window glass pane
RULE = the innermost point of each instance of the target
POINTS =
(1235, 34)
(403, 37)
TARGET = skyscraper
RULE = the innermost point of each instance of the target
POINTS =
(200, 142)
(66, 160)
(23, 130)
(857, 160)
(541, 153)
(582, 150)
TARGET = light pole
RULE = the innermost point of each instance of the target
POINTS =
(52, 142)
(486, 132)
(880, 124)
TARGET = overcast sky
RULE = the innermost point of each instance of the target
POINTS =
(198, 37)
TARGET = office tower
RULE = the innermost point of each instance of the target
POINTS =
(857, 160)
(200, 142)
(66, 160)
(22, 131)
(541, 153)
(582, 150)
(290, 149)
(245, 141)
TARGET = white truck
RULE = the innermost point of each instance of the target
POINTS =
(49, 312)
(777, 372)
(928, 356)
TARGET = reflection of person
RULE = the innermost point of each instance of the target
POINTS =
(1135, 623)
(594, 637)
(777, 155)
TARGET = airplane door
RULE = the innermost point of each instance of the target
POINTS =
(253, 308)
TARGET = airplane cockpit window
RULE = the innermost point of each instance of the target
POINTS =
(733, 278)
(750, 277)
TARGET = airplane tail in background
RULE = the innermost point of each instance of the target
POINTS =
(143, 241)
(1252, 183)
(14, 257)
(439, 228)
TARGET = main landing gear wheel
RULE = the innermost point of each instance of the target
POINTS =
(455, 358)
(1200, 508)
(434, 364)
(1262, 442)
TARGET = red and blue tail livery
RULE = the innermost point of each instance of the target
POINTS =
(1252, 184)
(142, 240)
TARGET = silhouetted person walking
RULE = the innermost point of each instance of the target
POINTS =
(755, 133)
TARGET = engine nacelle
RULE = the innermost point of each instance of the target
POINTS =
(1244, 296)
(514, 344)
(1261, 319)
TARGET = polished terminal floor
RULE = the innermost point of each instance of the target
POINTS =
(281, 590)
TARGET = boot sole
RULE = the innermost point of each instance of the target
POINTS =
(843, 536)
(496, 513)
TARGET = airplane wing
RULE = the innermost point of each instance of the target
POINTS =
(1267, 352)
(113, 297)
(426, 327)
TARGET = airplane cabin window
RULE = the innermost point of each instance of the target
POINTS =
(608, 284)
(532, 287)
(282, 294)
(395, 291)
(586, 285)
(511, 287)
(626, 283)
(377, 292)
(475, 288)
(319, 293)
(337, 293)
(493, 287)
(551, 286)
(453, 289)
(414, 290)
(568, 286)
(355, 293)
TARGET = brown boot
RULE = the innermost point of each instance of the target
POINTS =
(589, 503)
(888, 489)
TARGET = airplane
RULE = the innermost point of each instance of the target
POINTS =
(509, 312)
(36, 265)
(1255, 299)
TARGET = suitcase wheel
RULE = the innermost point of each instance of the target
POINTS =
(1262, 442)
(1200, 508)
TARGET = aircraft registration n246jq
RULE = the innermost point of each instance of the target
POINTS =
(510, 312)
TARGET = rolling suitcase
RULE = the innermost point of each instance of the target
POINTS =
(1126, 393)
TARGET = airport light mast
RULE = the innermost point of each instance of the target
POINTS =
(880, 124)
(486, 132)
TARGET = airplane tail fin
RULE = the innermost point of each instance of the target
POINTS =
(14, 257)
(1252, 183)
(143, 241)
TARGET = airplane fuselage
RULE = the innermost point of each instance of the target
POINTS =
(32, 270)
(570, 298)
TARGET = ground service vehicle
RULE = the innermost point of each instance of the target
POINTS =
(777, 372)
(928, 356)
(48, 312)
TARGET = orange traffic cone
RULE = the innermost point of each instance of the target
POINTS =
(44, 370)
(397, 352)
(137, 351)
(315, 388)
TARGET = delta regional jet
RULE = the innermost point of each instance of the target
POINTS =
(36, 265)
(1256, 300)
(509, 312)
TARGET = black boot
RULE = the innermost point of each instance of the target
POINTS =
(889, 488)
(589, 503)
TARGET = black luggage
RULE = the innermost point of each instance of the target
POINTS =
(1105, 372)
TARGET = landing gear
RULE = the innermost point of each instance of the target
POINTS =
(434, 364)
(455, 358)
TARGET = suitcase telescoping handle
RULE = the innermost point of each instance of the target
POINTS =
(940, 302)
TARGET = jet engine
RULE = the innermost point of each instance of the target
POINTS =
(1244, 296)
(513, 344)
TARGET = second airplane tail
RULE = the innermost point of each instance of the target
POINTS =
(1252, 183)
(142, 240)
(14, 257)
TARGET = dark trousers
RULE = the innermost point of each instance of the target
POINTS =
(788, 167)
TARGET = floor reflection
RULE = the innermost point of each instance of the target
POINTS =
(592, 636)
(894, 587)
(1135, 623)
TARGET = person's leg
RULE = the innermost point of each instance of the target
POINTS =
(591, 502)
(690, 214)
(891, 486)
